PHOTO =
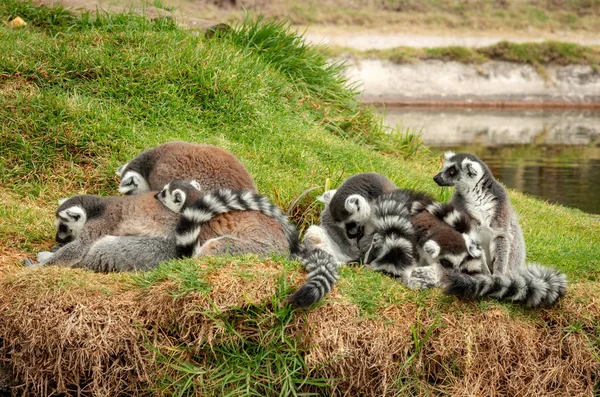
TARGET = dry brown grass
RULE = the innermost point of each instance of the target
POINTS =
(72, 331)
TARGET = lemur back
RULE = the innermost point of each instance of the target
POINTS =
(212, 167)
(485, 199)
(443, 239)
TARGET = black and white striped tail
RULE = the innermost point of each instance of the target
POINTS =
(446, 212)
(392, 250)
(323, 273)
(220, 202)
(532, 285)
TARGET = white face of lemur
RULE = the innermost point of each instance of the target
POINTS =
(69, 224)
(133, 183)
(359, 212)
(174, 199)
(459, 171)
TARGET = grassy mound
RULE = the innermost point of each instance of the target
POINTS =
(80, 96)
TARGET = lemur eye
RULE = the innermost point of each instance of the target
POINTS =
(452, 170)
(353, 230)
(446, 263)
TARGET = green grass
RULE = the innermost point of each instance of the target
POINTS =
(80, 96)
(537, 54)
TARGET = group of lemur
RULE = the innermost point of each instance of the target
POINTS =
(191, 200)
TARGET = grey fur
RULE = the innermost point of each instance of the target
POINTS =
(498, 229)
(117, 253)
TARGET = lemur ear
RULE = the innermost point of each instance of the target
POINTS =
(473, 169)
(473, 246)
(120, 170)
(448, 155)
(195, 184)
(327, 196)
(178, 196)
(432, 248)
(130, 180)
(75, 215)
(61, 201)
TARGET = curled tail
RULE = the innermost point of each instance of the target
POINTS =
(459, 220)
(532, 285)
(393, 246)
(323, 273)
(220, 202)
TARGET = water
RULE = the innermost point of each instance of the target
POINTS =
(554, 155)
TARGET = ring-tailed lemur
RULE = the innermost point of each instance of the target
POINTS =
(485, 199)
(347, 216)
(197, 209)
(100, 233)
(211, 166)
(252, 230)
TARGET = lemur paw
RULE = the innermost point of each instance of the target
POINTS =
(424, 277)
(44, 256)
(29, 263)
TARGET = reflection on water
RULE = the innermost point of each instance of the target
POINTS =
(554, 155)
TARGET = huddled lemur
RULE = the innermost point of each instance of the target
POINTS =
(226, 221)
(112, 233)
(211, 166)
(498, 229)
(368, 218)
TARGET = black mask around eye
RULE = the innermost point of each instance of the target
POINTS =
(446, 264)
(353, 231)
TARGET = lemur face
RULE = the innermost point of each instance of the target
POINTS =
(69, 224)
(173, 199)
(174, 194)
(469, 261)
(132, 182)
(461, 170)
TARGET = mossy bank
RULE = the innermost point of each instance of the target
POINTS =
(81, 95)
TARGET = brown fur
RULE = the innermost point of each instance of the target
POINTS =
(429, 227)
(139, 215)
(251, 232)
(212, 166)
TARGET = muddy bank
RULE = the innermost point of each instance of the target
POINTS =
(489, 127)
(491, 82)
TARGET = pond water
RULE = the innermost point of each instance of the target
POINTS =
(554, 155)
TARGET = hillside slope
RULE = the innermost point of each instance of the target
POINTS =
(80, 96)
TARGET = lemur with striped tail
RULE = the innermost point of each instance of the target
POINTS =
(485, 199)
(227, 221)
(369, 219)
